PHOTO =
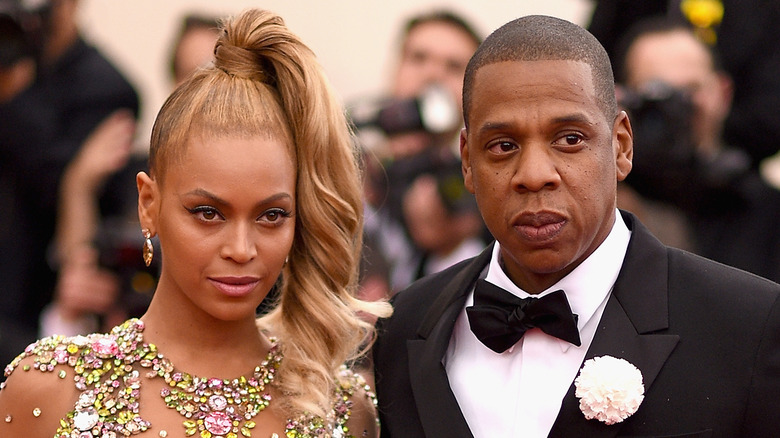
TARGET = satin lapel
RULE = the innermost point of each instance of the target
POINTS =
(637, 307)
(439, 411)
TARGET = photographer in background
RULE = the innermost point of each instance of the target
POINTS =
(745, 33)
(61, 90)
(103, 279)
(678, 98)
(418, 125)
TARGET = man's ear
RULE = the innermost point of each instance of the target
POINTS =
(465, 163)
(148, 201)
(623, 144)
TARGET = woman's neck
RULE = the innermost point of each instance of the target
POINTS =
(203, 345)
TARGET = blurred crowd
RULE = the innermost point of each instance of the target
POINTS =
(698, 79)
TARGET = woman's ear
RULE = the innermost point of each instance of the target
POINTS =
(148, 201)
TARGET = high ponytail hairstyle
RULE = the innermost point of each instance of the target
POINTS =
(265, 81)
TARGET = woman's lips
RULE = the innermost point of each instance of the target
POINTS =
(539, 227)
(234, 286)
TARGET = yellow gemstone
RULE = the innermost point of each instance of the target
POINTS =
(189, 424)
(205, 434)
(246, 431)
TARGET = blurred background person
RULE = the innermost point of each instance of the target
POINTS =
(102, 279)
(418, 125)
(194, 45)
(442, 222)
(745, 35)
(61, 89)
(679, 97)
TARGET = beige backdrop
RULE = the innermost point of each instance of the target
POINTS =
(354, 39)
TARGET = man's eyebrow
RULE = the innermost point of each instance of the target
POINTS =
(573, 118)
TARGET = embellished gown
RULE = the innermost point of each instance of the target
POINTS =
(108, 371)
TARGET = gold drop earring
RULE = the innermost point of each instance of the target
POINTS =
(148, 247)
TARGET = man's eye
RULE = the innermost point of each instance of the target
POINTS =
(572, 139)
(502, 147)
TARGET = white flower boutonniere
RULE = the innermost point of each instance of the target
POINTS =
(609, 389)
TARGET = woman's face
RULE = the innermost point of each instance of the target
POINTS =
(224, 215)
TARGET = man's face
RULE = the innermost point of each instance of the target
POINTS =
(543, 161)
(677, 59)
(433, 53)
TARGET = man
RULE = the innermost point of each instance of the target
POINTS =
(434, 50)
(733, 208)
(543, 150)
(45, 122)
(745, 35)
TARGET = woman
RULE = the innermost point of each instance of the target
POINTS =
(253, 184)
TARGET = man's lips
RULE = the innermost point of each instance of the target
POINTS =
(539, 227)
(234, 286)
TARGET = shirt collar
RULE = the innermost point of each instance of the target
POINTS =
(589, 284)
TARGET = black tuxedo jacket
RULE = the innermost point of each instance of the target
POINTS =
(705, 336)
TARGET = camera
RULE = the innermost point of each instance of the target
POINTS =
(434, 111)
(661, 118)
(120, 250)
(22, 28)
(664, 149)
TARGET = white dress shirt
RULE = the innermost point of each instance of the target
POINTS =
(519, 392)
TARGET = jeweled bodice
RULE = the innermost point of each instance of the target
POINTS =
(108, 371)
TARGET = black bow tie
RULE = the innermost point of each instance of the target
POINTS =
(499, 319)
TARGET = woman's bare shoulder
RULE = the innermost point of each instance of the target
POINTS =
(37, 393)
(359, 406)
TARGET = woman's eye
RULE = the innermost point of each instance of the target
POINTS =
(206, 214)
(275, 215)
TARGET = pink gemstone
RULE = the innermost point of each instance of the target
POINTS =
(105, 347)
(217, 423)
(61, 356)
(217, 402)
(215, 383)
